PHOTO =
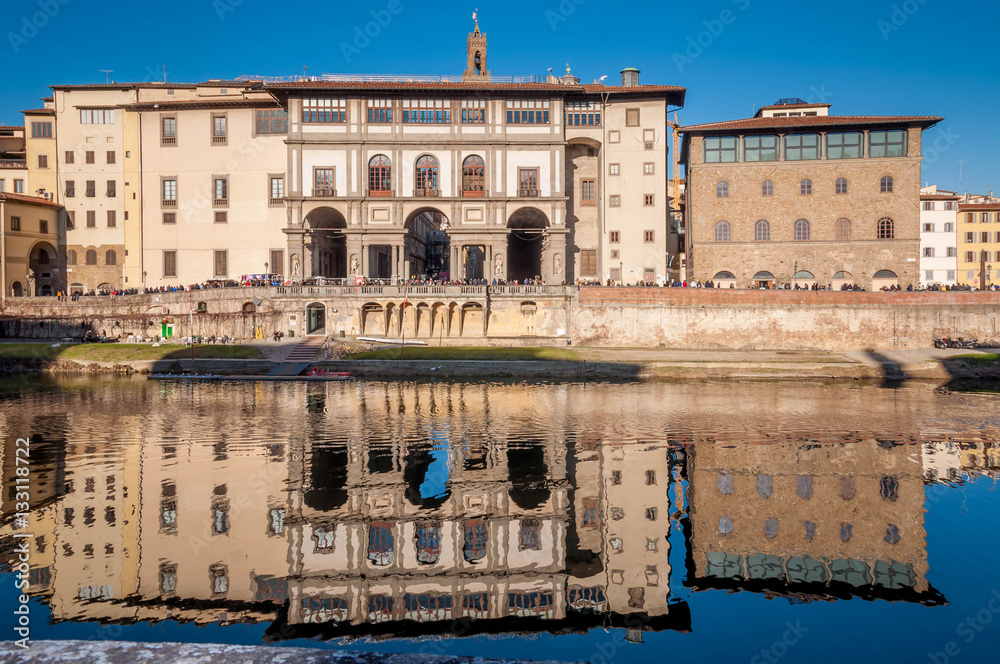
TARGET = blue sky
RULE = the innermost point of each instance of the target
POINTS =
(866, 57)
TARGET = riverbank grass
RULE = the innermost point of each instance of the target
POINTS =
(978, 359)
(478, 354)
(125, 352)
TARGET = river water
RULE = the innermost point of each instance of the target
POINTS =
(576, 522)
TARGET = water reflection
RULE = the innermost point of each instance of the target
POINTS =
(348, 510)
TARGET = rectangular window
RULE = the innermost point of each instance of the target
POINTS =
(648, 236)
(91, 219)
(888, 143)
(170, 192)
(15, 223)
(41, 130)
(614, 136)
(928, 205)
(70, 188)
(527, 181)
(379, 111)
(221, 263)
(970, 257)
(112, 190)
(583, 114)
(277, 190)
(648, 138)
(111, 156)
(473, 111)
(970, 237)
(426, 111)
(952, 252)
(43, 161)
(615, 200)
(18, 186)
(984, 236)
(220, 129)
(588, 262)
(97, 116)
(844, 145)
(949, 227)
(112, 219)
(221, 217)
(801, 147)
(949, 206)
(170, 217)
(760, 148)
(951, 275)
(169, 263)
(613, 169)
(588, 194)
(323, 185)
(528, 111)
(984, 217)
(43, 226)
(168, 131)
(647, 200)
(996, 236)
(615, 237)
(970, 217)
(616, 254)
(91, 188)
(928, 228)
(277, 265)
(70, 157)
(89, 156)
(220, 188)
(70, 219)
(324, 110)
(929, 275)
(647, 168)
(928, 252)
(720, 149)
(272, 121)
(631, 117)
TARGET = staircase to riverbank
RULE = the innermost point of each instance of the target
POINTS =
(306, 350)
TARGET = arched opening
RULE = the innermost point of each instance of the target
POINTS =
(16, 289)
(248, 307)
(76, 289)
(326, 489)
(380, 176)
(528, 474)
(724, 279)
(763, 279)
(840, 279)
(884, 279)
(316, 318)
(372, 320)
(104, 287)
(327, 243)
(803, 279)
(40, 264)
(524, 244)
(426, 473)
(426, 176)
(473, 176)
(427, 249)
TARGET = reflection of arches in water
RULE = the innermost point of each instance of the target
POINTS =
(528, 469)
(426, 474)
(380, 460)
(327, 479)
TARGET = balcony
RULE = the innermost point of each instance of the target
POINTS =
(382, 193)
(528, 192)
(13, 163)
(474, 194)
(276, 201)
(324, 192)
(220, 140)
(426, 193)
(172, 202)
(220, 202)
(168, 140)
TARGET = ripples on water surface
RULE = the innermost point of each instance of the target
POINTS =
(580, 522)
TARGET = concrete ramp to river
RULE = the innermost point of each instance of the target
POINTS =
(288, 369)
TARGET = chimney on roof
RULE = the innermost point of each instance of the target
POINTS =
(630, 77)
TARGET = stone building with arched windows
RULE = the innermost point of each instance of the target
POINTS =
(797, 196)
(29, 243)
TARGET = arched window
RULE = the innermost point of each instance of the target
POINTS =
(71, 257)
(802, 229)
(762, 231)
(722, 231)
(806, 187)
(427, 173)
(767, 188)
(111, 258)
(473, 176)
(91, 257)
(843, 230)
(886, 229)
(380, 174)
(722, 190)
(841, 186)
(887, 184)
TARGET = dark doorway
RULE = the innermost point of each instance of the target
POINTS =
(524, 244)
(327, 479)
(328, 240)
(528, 471)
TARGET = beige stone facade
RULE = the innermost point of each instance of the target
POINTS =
(29, 240)
(800, 215)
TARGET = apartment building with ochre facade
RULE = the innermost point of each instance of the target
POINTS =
(979, 244)
(797, 196)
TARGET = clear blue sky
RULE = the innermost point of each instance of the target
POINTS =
(918, 57)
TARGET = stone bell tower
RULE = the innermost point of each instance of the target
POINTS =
(475, 65)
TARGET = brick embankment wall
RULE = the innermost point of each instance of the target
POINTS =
(779, 320)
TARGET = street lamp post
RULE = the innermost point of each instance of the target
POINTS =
(795, 274)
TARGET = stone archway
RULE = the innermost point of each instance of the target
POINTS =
(426, 250)
(325, 244)
(526, 237)
(43, 262)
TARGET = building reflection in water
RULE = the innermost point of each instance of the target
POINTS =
(502, 510)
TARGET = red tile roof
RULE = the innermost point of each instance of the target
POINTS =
(122, 86)
(939, 197)
(40, 111)
(814, 121)
(471, 86)
(204, 103)
(11, 128)
(31, 200)
(805, 104)
(978, 206)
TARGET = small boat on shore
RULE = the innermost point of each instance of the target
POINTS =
(392, 342)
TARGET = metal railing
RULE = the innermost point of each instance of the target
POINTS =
(13, 163)
(324, 192)
(426, 193)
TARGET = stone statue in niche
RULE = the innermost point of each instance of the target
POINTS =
(557, 264)
(295, 265)
(498, 265)
(355, 264)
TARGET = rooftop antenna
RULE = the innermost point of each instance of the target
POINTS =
(164, 72)
(304, 68)
(961, 165)
(107, 74)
